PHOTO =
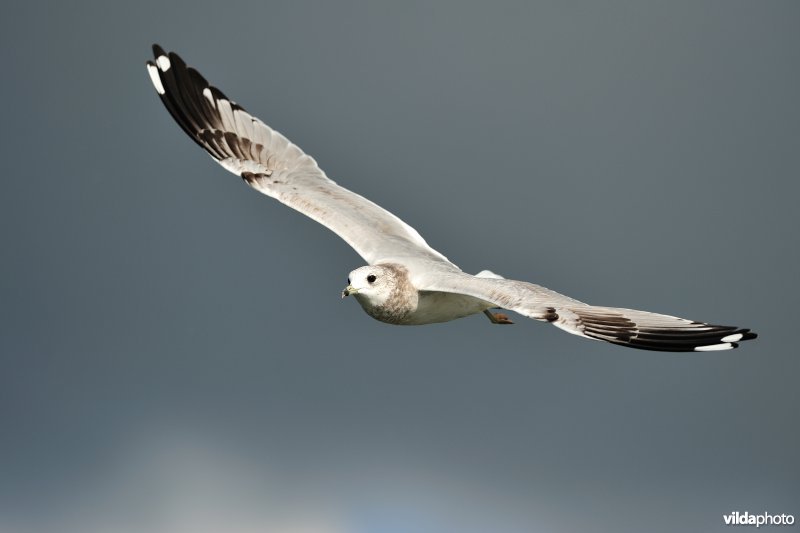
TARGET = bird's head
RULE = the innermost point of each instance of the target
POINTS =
(371, 285)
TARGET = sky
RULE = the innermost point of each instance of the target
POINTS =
(174, 353)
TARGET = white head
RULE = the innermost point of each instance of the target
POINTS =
(371, 285)
(384, 292)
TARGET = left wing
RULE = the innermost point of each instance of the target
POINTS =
(626, 327)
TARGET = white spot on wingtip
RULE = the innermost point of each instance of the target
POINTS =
(732, 338)
(714, 347)
(155, 78)
(163, 63)
(208, 95)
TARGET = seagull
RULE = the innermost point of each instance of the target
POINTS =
(405, 282)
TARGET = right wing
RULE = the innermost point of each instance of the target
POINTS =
(271, 164)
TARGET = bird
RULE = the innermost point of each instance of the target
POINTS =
(405, 281)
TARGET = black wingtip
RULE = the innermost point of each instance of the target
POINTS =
(694, 337)
(749, 335)
(181, 93)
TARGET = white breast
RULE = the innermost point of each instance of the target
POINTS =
(436, 307)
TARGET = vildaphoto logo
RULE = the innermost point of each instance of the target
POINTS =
(764, 519)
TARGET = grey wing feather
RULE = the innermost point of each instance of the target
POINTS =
(274, 166)
(626, 327)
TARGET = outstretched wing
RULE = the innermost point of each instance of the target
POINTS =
(271, 164)
(626, 327)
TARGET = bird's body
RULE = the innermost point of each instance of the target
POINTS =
(406, 281)
(404, 304)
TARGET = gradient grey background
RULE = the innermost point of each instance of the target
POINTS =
(175, 355)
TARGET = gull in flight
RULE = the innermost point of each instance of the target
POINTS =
(405, 281)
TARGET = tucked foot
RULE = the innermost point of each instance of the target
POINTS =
(497, 318)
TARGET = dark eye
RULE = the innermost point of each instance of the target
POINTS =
(348, 281)
(371, 278)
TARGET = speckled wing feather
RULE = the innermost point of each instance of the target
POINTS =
(626, 327)
(273, 165)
